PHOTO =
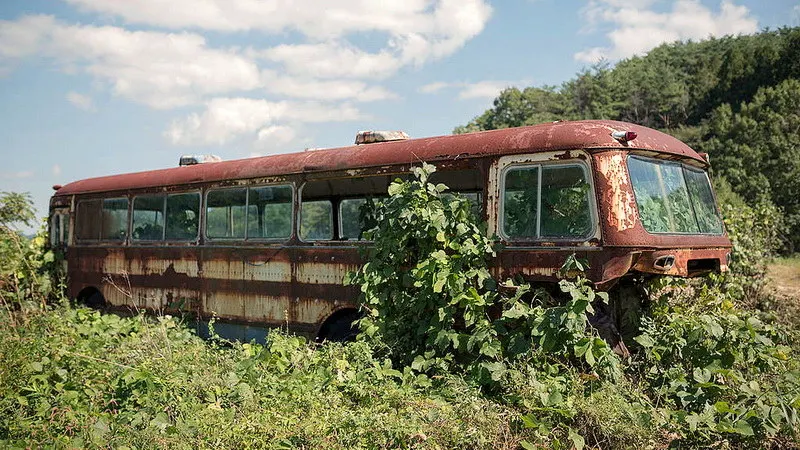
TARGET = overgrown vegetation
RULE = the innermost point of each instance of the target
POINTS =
(449, 357)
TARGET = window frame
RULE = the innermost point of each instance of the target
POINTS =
(541, 165)
(246, 237)
(683, 167)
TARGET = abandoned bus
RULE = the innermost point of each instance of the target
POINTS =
(268, 241)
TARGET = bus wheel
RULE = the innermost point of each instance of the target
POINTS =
(92, 298)
(340, 327)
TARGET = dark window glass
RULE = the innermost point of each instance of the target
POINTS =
(350, 214)
(673, 198)
(705, 209)
(565, 210)
(148, 218)
(183, 215)
(88, 221)
(549, 201)
(115, 219)
(521, 202)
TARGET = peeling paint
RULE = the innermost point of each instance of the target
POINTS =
(619, 196)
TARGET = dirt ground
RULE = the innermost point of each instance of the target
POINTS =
(784, 276)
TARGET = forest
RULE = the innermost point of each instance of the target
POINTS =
(447, 356)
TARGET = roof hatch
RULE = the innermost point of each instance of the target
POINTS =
(371, 137)
(190, 160)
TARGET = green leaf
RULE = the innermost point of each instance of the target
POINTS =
(577, 440)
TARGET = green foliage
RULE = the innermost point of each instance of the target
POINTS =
(431, 299)
(675, 85)
(719, 372)
(25, 271)
(755, 233)
(758, 150)
(76, 378)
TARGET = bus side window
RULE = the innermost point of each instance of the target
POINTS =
(549, 201)
(225, 213)
(183, 216)
(269, 214)
(521, 202)
(148, 218)
(316, 220)
(350, 218)
(88, 220)
(115, 219)
(565, 202)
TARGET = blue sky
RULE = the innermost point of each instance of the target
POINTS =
(97, 87)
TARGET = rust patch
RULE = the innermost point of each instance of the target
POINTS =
(618, 198)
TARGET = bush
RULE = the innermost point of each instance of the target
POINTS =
(27, 266)
(430, 298)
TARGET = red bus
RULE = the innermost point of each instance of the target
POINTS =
(266, 242)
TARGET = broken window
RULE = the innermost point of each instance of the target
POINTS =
(148, 218)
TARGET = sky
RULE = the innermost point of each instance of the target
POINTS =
(98, 87)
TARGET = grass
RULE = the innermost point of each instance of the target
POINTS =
(73, 378)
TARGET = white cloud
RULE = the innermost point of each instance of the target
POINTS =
(162, 70)
(332, 60)
(81, 101)
(415, 30)
(325, 57)
(638, 29)
(23, 37)
(483, 89)
(487, 89)
(226, 119)
(56, 170)
(324, 90)
(273, 139)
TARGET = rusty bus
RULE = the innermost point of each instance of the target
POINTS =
(268, 241)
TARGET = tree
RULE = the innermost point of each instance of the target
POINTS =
(758, 149)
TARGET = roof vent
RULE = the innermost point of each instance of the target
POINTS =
(190, 160)
(371, 137)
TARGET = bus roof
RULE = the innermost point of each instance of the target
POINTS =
(537, 138)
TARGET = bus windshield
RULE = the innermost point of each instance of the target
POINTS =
(673, 197)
